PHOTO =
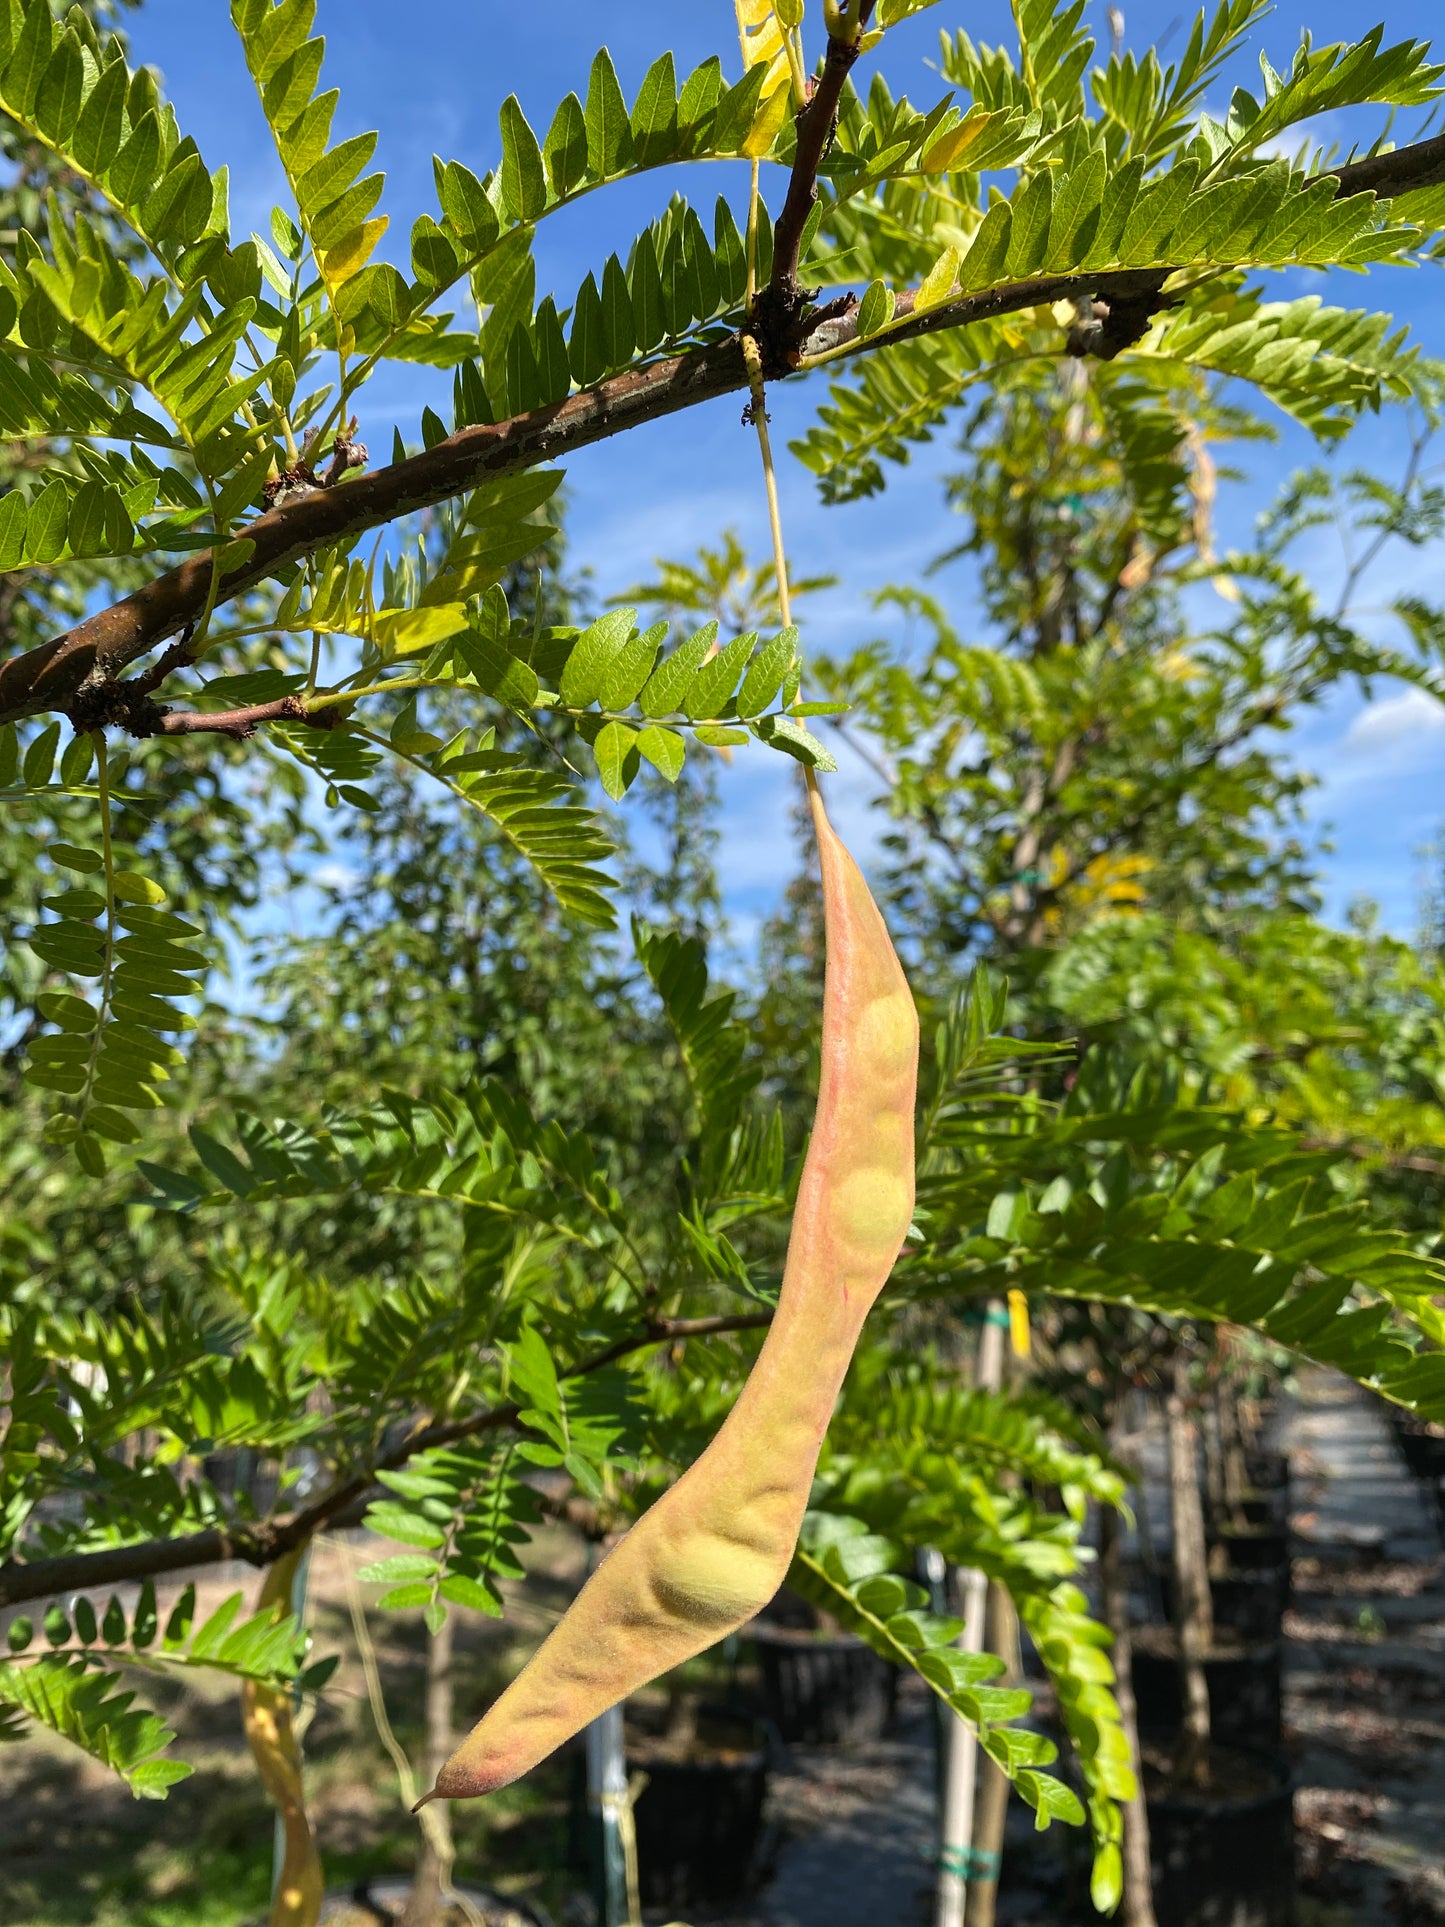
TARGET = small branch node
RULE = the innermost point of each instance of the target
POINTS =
(1105, 328)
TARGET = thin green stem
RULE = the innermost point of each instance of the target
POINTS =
(213, 591)
(793, 48)
(759, 412)
(754, 202)
(107, 851)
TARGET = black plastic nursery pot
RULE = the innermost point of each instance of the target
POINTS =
(823, 1688)
(699, 1818)
(1423, 1450)
(1223, 1856)
(1251, 1605)
(1267, 1470)
(1246, 1701)
(1262, 1506)
(1250, 1548)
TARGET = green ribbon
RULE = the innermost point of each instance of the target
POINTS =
(986, 1315)
(974, 1864)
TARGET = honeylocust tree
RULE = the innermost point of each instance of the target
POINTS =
(300, 611)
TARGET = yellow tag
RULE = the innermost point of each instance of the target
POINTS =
(1018, 1323)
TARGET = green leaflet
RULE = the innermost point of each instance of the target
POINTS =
(852, 1574)
(55, 525)
(677, 283)
(109, 1053)
(524, 178)
(72, 91)
(1325, 79)
(713, 1042)
(616, 754)
(471, 1509)
(592, 657)
(78, 1692)
(714, 684)
(335, 206)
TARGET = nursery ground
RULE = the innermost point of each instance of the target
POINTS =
(851, 1831)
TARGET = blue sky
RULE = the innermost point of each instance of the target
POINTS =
(431, 76)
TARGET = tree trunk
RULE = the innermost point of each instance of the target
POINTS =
(1236, 1477)
(1194, 1611)
(436, 1853)
(266, 1715)
(1138, 1902)
(1212, 1426)
(960, 1783)
(1002, 1637)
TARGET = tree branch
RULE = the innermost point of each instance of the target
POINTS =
(1421, 164)
(1377, 1154)
(240, 723)
(343, 1503)
(97, 649)
(779, 311)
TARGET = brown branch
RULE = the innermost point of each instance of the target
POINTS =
(1377, 1154)
(178, 656)
(1422, 164)
(780, 309)
(343, 1503)
(100, 647)
(129, 706)
(240, 723)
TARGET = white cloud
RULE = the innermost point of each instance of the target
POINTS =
(1396, 720)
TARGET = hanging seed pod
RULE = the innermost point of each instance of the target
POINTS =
(715, 1548)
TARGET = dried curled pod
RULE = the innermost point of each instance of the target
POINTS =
(715, 1548)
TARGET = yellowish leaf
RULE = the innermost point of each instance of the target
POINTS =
(768, 125)
(938, 284)
(406, 631)
(948, 149)
(351, 253)
(761, 35)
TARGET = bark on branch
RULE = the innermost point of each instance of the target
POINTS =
(1421, 164)
(780, 311)
(97, 649)
(342, 1504)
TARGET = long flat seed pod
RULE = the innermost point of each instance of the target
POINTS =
(715, 1548)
